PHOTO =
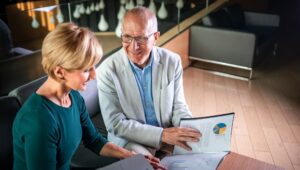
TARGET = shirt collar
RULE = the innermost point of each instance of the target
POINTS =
(148, 65)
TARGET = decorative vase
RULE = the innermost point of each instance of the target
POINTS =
(140, 2)
(129, 5)
(152, 6)
(92, 7)
(103, 25)
(179, 4)
(162, 12)
(59, 16)
(87, 11)
(118, 31)
(35, 24)
(101, 5)
(121, 12)
(81, 9)
(76, 13)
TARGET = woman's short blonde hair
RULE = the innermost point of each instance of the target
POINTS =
(70, 47)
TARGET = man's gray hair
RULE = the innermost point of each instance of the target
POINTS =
(145, 14)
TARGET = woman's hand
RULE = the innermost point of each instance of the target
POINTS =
(155, 163)
(115, 151)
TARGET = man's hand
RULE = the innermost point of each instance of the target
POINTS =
(180, 135)
(155, 163)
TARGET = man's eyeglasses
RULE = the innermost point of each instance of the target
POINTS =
(139, 39)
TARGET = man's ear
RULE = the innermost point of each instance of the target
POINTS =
(59, 72)
(156, 35)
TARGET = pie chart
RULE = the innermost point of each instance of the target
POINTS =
(220, 129)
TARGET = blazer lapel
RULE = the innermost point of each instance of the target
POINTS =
(156, 84)
(129, 78)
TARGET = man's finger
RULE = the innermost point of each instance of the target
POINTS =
(184, 145)
(188, 139)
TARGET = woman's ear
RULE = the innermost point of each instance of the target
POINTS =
(59, 73)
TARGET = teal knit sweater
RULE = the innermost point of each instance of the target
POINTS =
(45, 135)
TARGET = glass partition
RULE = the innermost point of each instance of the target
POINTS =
(27, 23)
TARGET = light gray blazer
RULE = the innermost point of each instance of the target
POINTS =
(121, 103)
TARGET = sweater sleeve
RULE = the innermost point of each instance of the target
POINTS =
(40, 141)
(91, 138)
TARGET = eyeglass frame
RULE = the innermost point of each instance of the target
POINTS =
(143, 39)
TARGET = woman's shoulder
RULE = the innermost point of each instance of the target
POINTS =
(35, 115)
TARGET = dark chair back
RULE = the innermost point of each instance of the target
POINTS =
(24, 91)
(9, 106)
(19, 70)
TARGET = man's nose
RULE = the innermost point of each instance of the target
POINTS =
(135, 44)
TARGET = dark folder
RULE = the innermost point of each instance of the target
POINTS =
(137, 162)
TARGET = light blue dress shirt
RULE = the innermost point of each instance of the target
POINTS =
(144, 81)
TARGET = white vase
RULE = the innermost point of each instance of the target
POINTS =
(35, 24)
(76, 13)
(162, 12)
(140, 2)
(103, 25)
(179, 4)
(152, 6)
(121, 12)
(97, 8)
(87, 11)
(129, 5)
(101, 5)
(81, 9)
(122, 2)
(92, 7)
(59, 16)
(118, 31)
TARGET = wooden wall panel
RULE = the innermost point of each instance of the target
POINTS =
(180, 45)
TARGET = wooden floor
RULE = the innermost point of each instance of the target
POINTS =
(267, 108)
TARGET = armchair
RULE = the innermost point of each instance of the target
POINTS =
(235, 38)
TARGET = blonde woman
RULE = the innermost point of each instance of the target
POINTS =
(54, 120)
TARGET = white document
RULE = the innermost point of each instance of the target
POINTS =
(216, 134)
(207, 161)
